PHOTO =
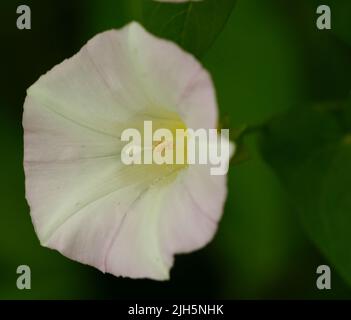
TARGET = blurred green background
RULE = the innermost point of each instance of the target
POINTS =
(268, 58)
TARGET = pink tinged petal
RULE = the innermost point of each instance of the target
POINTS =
(126, 220)
(50, 137)
(192, 210)
(90, 244)
(179, 82)
(136, 250)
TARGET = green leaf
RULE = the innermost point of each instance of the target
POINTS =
(310, 151)
(193, 25)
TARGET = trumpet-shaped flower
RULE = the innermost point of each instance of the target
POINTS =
(128, 220)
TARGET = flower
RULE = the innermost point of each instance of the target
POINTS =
(87, 204)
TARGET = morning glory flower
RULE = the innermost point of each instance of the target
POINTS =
(127, 220)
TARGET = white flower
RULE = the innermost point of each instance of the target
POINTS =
(84, 202)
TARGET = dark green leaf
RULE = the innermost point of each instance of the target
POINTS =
(193, 25)
(311, 153)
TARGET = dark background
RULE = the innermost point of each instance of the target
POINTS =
(269, 57)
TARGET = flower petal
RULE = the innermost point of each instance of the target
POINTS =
(178, 219)
(194, 207)
(179, 82)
